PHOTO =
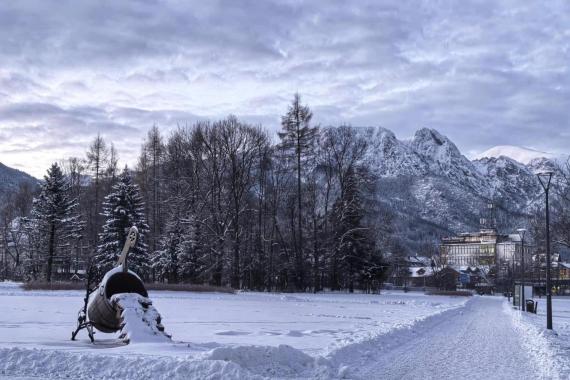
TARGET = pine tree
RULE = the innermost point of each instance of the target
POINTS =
(166, 261)
(150, 169)
(352, 242)
(97, 159)
(298, 138)
(54, 215)
(123, 208)
(189, 253)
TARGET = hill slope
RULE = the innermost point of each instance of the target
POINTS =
(10, 179)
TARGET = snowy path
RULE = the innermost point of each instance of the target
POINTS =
(477, 342)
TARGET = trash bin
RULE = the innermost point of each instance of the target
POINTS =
(531, 306)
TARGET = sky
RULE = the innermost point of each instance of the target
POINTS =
(484, 73)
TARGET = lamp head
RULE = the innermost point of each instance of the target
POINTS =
(544, 177)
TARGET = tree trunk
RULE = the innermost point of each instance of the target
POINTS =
(351, 280)
(96, 216)
(51, 249)
(299, 269)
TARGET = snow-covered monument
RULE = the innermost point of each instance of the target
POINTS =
(120, 303)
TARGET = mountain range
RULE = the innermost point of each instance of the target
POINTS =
(438, 191)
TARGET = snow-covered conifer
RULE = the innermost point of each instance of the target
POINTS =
(122, 209)
(352, 240)
(55, 217)
(166, 261)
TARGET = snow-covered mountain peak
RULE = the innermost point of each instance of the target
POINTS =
(392, 157)
(517, 153)
(541, 164)
(508, 178)
(500, 162)
(431, 144)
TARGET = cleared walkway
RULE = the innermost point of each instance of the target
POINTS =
(478, 343)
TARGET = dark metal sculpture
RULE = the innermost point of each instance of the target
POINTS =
(98, 310)
(82, 322)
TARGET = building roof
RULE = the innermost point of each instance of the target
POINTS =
(423, 260)
(420, 272)
(481, 237)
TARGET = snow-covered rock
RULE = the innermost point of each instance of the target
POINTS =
(445, 159)
(390, 157)
(510, 180)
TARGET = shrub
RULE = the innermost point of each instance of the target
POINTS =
(189, 288)
(79, 285)
(55, 285)
(457, 293)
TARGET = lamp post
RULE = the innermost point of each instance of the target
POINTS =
(513, 277)
(522, 232)
(545, 178)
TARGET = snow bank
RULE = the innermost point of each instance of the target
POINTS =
(282, 361)
(548, 347)
(47, 364)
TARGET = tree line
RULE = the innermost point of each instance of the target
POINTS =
(219, 203)
(223, 203)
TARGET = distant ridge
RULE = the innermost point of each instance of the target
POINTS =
(10, 179)
(517, 153)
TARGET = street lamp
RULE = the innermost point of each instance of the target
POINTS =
(522, 232)
(545, 178)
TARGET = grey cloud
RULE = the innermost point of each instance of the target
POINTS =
(38, 127)
(483, 72)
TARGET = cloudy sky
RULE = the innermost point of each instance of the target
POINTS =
(484, 73)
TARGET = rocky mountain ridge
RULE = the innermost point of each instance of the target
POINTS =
(429, 182)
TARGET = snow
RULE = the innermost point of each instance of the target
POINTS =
(247, 335)
(474, 342)
(517, 153)
(552, 347)
(257, 335)
(140, 319)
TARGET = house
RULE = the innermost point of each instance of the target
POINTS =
(420, 276)
(412, 271)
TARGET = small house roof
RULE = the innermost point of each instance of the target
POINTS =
(420, 272)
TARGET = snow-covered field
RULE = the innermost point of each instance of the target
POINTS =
(247, 335)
